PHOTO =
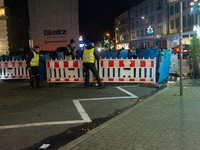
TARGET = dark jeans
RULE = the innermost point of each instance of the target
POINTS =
(34, 73)
(91, 66)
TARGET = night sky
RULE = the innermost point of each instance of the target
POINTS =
(96, 17)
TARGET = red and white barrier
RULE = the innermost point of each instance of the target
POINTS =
(66, 71)
(126, 70)
(110, 70)
(13, 70)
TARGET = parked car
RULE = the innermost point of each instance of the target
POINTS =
(185, 50)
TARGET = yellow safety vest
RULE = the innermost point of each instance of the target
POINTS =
(35, 60)
(88, 55)
(70, 56)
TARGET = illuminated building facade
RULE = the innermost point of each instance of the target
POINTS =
(3, 30)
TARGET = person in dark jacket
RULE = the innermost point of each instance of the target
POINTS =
(70, 53)
(89, 55)
(33, 66)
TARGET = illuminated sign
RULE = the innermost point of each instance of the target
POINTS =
(55, 32)
(121, 38)
(81, 45)
(149, 30)
(81, 38)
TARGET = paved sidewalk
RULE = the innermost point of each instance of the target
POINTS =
(164, 121)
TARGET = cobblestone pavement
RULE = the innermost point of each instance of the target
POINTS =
(164, 121)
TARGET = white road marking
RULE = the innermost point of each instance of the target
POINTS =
(80, 109)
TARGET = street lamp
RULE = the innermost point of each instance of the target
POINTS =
(108, 38)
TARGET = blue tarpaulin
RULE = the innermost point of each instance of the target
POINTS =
(162, 61)
(42, 68)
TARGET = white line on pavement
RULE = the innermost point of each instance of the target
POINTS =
(80, 109)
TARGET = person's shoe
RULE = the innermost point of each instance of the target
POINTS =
(38, 86)
(102, 86)
(31, 87)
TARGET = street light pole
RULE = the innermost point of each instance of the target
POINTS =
(181, 49)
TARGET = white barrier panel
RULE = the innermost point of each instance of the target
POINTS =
(173, 63)
(13, 70)
(112, 70)
(66, 71)
(127, 70)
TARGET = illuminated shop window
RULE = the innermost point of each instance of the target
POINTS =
(2, 12)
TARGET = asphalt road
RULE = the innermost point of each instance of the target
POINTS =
(28, 116)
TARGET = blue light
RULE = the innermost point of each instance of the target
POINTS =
(81, 45)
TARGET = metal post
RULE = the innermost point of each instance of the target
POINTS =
(181, 49)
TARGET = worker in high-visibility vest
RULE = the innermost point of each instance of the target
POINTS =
(33, 67)
(70, 53)
(89, 55)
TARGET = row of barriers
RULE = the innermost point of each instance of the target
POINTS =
(13, 70)
(110, 70)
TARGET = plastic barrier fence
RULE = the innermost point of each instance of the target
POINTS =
(112, 70)
(66, 71)
(13, 70)
(127, 70)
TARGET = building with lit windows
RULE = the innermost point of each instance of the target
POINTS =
(122, 30)
(148, 25)
(3, 30)
(190, 23)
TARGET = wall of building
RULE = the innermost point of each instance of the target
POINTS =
(54, 23)
(3, 30)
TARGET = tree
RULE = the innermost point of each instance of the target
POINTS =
(194, 56)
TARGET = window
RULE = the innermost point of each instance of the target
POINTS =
(172, 24)
(137, 33)
(190, 20)
(184, 21)
(160, 30)
(151, 8)
(145, 10)
(142, 33)
(141, 22)
(133, 26)
(176, 7)
(2, 12)
(159, 4)
(177, 22)
(188, 3)
(122, 21)
(184, 5)
(124, 37)
(136, 13)
(133, 35)
(152, 20)
(137, 24)
(159, 18)
(127, 20)
(172, 10)
(141, 11)
(146, 20)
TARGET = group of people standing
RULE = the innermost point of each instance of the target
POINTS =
(88, 57)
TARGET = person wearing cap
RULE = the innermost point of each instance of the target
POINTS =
(89, 55)
(70, 53)
(33, 66)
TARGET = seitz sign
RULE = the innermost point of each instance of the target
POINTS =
(55, 32)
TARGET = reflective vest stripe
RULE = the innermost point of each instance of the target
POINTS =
(35, 60)
(88, 55)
